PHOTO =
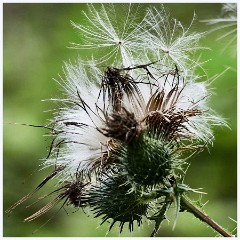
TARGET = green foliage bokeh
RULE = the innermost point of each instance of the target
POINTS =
(35, 41)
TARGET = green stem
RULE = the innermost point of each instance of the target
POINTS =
(198, 213)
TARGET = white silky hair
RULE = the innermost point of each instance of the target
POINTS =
(118, 36)
(227, 21)
(155, 35)
(169, 41)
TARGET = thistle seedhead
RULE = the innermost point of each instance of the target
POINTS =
(123, 128)
(70, 193)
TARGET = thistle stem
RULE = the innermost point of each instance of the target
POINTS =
(198, 213)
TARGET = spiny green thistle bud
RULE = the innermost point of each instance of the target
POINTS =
(147, 160)
(116, 199)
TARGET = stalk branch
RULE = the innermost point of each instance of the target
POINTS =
(198, 213)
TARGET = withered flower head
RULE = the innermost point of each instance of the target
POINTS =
(125, 132)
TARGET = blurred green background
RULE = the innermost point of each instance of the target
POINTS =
(35, 41)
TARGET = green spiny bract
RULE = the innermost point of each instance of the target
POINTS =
(147, 160)
(115, 199)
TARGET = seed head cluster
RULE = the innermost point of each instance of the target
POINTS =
(124, 131)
